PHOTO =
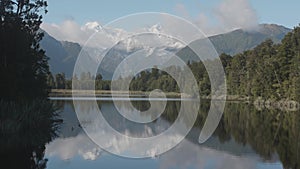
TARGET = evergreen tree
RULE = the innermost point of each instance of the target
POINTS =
(23, 64)
(51, 81)
(60, 81)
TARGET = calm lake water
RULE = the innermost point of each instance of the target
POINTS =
(245, 138)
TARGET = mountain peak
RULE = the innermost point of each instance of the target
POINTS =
(273, 29)
(240, 40)
(95, 26)
(63, 55)
(157, 28)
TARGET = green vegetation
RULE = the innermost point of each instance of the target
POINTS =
(28, 120)
(239, 40)
(23, 65)
(85, 82)
(268, 71)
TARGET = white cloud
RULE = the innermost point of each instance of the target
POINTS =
(69, 30)
(234, 14)
(69, 147)
(181, 9)
(224, 17)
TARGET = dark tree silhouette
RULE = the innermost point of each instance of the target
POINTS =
(23, 64)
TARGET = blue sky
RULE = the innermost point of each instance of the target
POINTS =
(268, 11)
(73, 20)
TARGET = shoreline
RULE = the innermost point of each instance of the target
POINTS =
(103, 93)
(259, 103)
(141, 94)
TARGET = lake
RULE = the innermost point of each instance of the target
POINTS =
(247, 137)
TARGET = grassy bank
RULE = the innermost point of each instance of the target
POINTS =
(108, 93)
(102, 93)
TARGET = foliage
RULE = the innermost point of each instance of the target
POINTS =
(269, 70)
(23, 65)
(85, 82)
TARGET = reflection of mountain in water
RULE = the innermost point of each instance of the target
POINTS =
(243, 130)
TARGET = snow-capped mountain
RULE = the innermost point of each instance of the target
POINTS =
(118, 44)
(114, 45)
(106, 37)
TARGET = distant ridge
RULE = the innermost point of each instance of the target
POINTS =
(63, 55)
(240, 40)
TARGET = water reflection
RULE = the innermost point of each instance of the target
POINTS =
(267, 131)
(25, 129)
(67, 148)
(245, 138)
(137, 139)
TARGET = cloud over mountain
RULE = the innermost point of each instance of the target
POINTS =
(223, 17)
(233, 14)
(71, 31)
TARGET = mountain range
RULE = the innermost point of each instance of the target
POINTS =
(63, 55)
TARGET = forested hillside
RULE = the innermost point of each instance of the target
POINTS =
(63, 55)
(270, 70)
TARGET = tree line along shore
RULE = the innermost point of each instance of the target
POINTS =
(269, 72)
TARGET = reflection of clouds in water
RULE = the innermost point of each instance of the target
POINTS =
(185, 155)
(128, 147)
(73, 146)
(190, 155)
(89, 119)
(83, 146)
(131, 142)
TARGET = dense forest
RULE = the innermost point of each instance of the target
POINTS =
(23, 64)
(28, 120)
(270, 71)
(84, 82)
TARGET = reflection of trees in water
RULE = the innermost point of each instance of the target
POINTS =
(288, 141)
(141, 105)
(267, 131)
(25, 129)
(170, 113)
